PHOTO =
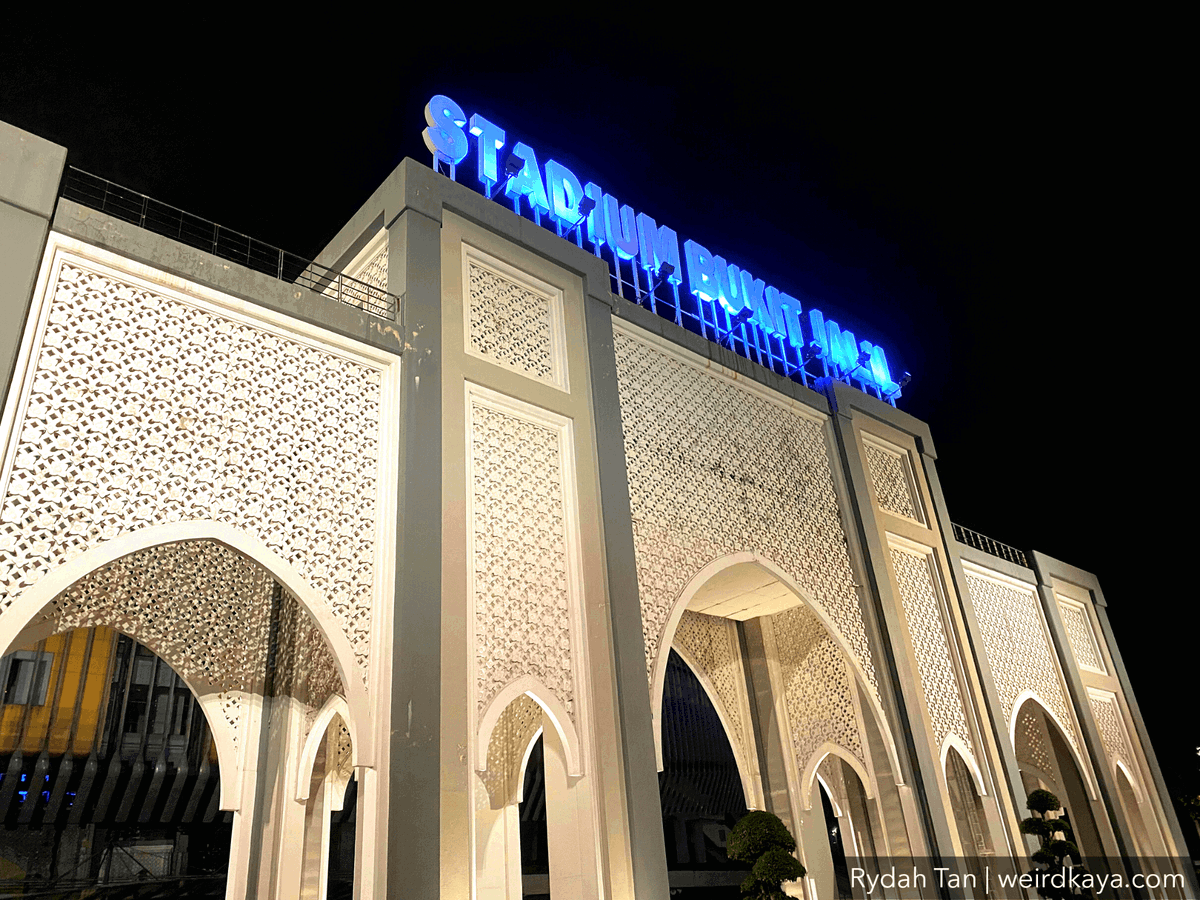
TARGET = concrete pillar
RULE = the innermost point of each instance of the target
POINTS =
(30, 171)
(919, 784)
(570, 824)
(643, 809)
(770, 737)
(1005, 804)
(812, 834)
(497, 852)
(314, 878)
(413, 858)
(280, 818)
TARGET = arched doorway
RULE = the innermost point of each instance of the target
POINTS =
(1048, 762)
(110, 771)
(248, 657)
(533, 824)
(788, 693)
(700, 788)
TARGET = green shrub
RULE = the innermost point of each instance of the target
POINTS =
(761, 840)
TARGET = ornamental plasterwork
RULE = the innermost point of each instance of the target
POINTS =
(710, 643)
(206, 610)
(519, 554)
(147, 409)
(1018, 647)
(1080, 635)
(374, 271)
(817, 686)
(514, 730)
(891, 480)
(927, 629)
(832, 773)
(514, 323)
(1108, 719)
(1031, 745)
(715, 469)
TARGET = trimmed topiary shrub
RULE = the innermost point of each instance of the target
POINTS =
(763, 842)
(1057, 852)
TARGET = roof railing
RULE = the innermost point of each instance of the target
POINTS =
(989, 546)
(170, 221)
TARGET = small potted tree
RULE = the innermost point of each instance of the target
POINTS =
(1057, 851)
(763, 842)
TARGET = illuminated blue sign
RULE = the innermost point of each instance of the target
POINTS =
(770, 324)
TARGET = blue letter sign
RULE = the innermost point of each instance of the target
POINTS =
(774, 317)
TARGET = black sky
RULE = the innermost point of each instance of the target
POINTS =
(997, 203)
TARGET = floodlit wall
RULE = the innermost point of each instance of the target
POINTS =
(489, 520)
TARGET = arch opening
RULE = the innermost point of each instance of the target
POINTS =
(742, 588)
(110, 770)
(1047, 762)
(701, 785)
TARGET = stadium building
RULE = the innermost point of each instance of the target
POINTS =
(305, 565)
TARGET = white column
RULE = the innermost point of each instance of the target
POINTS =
(813, 837)
(498, 853)
(571, 825)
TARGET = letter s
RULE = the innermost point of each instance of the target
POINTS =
(445, 137)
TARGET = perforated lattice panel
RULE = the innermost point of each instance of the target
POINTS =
(375, 270)
(206, 610)
(926, 627)
(1031, 744)
(715, 469)
(711, 644)
(817, 685)
(891, 481)
(514, 730)
(1108, 719)
(146, 410)
(522, 606)
(512, 325)
(1017, 647)
(1081, 636)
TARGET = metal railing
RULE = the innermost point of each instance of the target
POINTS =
(989, 546)
(169, 221)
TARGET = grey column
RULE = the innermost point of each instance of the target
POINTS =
(1112, 824)
(882, 618)
(629, 648)
(1139, 724)
(30, 171)
(994, 711)
(414, 791)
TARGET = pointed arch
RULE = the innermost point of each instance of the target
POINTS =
(334, 706)
(1085, 773)
(553, 709)
(809, 774)
(525, 754)
(667, 637)
(1120, 769)
(953, 740)
(746, 772)
(31, 601)
(829, 792)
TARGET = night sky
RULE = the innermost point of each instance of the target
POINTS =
(995, 203)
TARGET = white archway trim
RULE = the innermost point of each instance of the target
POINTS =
(1120, 768)
(30, 602)
(740, 753)
(953, 740)
(809, 775)
(667, 637)
(837, 807)
(528, 752)
(1084, 771)
(551, 706)
(335, 706)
